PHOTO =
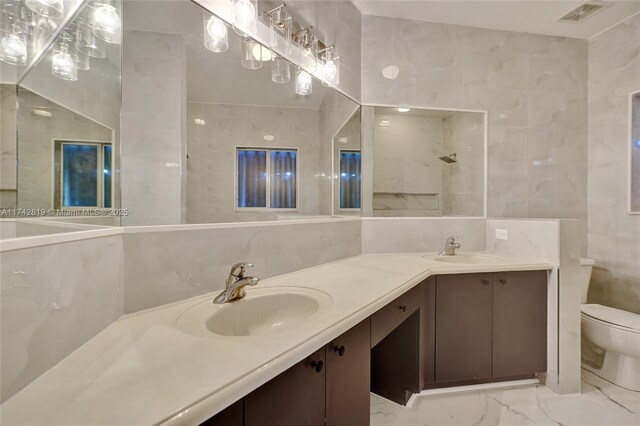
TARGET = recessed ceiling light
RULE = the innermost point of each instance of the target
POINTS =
(42, 113)
(391, 72)
(404, 109)
(343, 139)
(199, 121)
(268, 137)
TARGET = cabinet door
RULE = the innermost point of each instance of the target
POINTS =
(348, 369)
(463, 327)
(295, 397)
(519, 323)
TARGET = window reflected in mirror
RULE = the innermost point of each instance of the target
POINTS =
(634, 153)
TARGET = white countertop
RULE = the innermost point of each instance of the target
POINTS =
(143, 370)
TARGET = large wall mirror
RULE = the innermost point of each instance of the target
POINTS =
(428, 162)
(61, 122)
(210, 133)
(634, 153)
(223, 134)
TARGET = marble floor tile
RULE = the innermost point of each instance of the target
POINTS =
(600, 403)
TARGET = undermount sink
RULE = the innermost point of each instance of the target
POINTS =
(263, 311)
(471, 259)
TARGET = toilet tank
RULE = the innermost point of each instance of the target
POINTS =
(586, 266)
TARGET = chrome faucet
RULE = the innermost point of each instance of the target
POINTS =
(450, 247)
(236, 282)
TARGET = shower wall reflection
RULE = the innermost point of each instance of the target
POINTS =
(428, 162)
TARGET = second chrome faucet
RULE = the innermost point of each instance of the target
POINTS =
(236, 282)
(450, 247)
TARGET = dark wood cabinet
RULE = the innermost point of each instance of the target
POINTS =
(519, 323)
(295, 397)
(347, 377)
(463, 327)
(488, 327)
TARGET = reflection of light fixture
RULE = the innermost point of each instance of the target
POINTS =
(262, 53)
(42, 113)
(87, 42)
(391, 72)
(343, 139)
(404, 109)
(268, 137)
(249, 59)
(106, 22)
(280, 26)
(13, 47)
(216, 37)
(46, 8)
(246, 16)
(304, 83)
(199, 121)
(280, 70)
(329, 66)
(63, 62)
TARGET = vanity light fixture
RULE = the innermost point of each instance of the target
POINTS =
(63, 62)
(13, 46)
(199, 121)
(246, 16)
(46, 8)
(343, 139)
(251, 54)
(268, 138)
(106, 22)
(404, 109)
(280, 30)
(329, 66)
(42, 113)
(304, 83)
(307, 44)
(216, 36)
(87, 42)
(280, 70)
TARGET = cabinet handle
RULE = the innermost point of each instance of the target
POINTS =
(485, 282)
(339, 349)
(503, 281)
(403, 308)
(317, 365)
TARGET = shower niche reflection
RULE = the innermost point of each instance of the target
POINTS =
(428, 162)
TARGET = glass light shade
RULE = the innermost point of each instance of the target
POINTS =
(280, 31)
(63, 64)
(13, 48)
(245, 14)
(53, 9)
(304, 83)
(216, 36)
(88, 43)
(330, 68)
(307, 45)
(249, 59)
(280, 70)
(106, 23)
(262, 53)
(83, 61)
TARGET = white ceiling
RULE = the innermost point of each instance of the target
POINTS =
(531, 16)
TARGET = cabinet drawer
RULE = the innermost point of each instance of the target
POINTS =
(388, 318)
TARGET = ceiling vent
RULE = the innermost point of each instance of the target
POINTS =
(583, 11)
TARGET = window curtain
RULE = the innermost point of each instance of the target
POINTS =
(283, 179)
(350, 179)
(252, 178)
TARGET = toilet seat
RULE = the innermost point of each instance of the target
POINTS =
(627, 321)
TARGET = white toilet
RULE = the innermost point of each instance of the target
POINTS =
(616, 336)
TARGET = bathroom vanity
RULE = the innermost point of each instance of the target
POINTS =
(391, 323)
(449, 330)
